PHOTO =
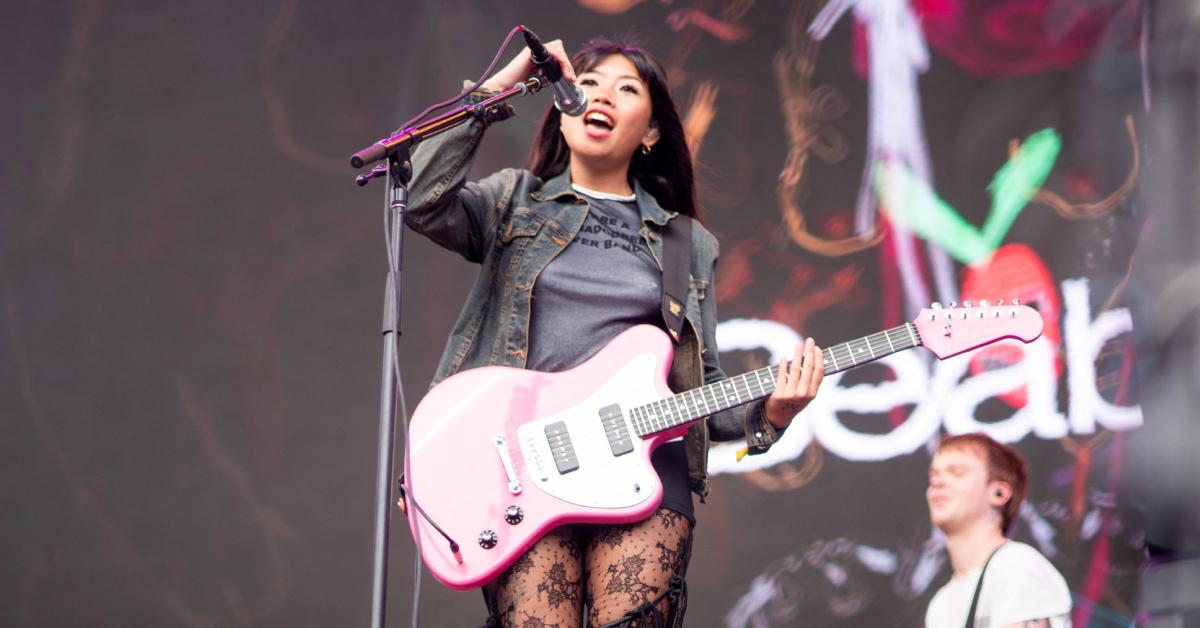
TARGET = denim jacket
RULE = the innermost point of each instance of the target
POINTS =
(513, 224)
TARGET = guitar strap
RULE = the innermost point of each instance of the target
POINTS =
(677, 256)
(979, 587)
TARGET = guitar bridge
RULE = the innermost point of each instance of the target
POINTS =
(514, 484)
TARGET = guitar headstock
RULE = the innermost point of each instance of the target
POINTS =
(948, 331)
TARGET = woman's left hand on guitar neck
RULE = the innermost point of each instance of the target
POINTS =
(796, 384)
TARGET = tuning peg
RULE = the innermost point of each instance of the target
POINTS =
(966, 304)
(935, 305)
(1016, 302)
(1000, 303)
(953, 304)
(983, 303)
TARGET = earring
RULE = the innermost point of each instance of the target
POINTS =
(645, 149)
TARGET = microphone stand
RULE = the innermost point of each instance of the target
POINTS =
(398, 169)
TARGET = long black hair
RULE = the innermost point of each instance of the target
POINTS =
(667, 171)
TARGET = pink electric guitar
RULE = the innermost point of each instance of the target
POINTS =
(498, 456)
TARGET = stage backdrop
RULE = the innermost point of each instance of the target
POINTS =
(192, 285)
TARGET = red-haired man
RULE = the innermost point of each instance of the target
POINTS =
(976, 486)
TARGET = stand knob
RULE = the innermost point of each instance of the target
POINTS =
(514, 515)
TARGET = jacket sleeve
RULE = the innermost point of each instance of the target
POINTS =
(748, 421)
(453, 212)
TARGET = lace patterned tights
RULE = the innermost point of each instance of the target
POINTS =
(624, 575)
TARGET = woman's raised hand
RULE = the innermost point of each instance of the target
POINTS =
(796, 384)
(521, 67)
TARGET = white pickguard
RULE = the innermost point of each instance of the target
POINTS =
(602, 480)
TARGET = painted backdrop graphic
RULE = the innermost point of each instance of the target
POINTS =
(191, 286)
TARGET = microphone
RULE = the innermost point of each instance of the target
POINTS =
(569, 98)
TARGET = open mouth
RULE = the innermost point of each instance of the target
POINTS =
(598, 120)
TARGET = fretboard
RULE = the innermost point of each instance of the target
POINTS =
(697, 403)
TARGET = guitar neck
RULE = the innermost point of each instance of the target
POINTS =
(697, 403)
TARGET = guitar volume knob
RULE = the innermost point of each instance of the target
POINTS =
(513, 515)
(488, 539)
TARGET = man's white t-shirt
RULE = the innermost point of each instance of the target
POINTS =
(1020, 585)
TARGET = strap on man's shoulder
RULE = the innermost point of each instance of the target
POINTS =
(979, 586)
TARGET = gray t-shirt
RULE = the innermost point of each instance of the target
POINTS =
(603, 283)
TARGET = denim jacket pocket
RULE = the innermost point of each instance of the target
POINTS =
(523, 222)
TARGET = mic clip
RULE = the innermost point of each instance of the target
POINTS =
(494, 113)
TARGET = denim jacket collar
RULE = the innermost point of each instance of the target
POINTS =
(555, 187)
(560, 185)
(651, 210)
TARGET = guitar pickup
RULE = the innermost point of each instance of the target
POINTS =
(616, 430)
(561, 448)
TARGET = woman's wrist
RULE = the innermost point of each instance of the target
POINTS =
(761, 433)
(492, 85)
(777, 417)
(774, 421)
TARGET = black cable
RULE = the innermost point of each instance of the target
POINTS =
(394, 270)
